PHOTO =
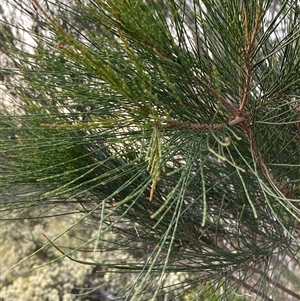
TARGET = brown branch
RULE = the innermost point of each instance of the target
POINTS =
(214, 93)
(198, 126)
(249, 52)
(46, 15)
(276, 284)
(207, 87)
(238, 120)
(191, 126)
(258, 157)
(251, 289)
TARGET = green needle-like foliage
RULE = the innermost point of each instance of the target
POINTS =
(175, 124)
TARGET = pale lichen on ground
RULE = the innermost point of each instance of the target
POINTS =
(62, 279)
(54, 282)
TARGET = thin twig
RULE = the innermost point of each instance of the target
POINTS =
(214, 93)
(249, 70)
(251, 289)
(238, 120)
(191, 126)
(249, 52)
(258, 157)
(276, 284)
(47, 16)
(199, 126)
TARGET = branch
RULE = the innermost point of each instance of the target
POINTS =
(249, 52)
(276, 284)
(214, 93)
(191, 126)
(258, 157)
(199, 126)
(251, 289)
(46, 15)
